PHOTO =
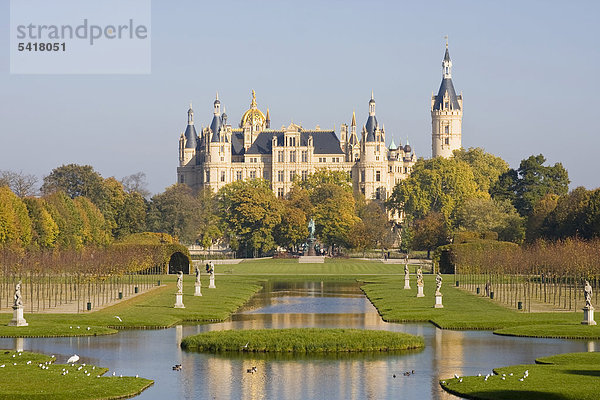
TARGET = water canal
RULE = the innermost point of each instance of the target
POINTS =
(152, 353)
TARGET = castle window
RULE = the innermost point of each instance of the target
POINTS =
(377, 194)
(447, 129)
(304, 156)
(304, 175)
(362, 176)
(377, 158)
(252, 174)
(293, 156)
(377, 149)
(447, 140)
(362, 190)
(391, 168)
(378, 176)
(292, 175)
(266, 174)
(181, 179)
(280, 156)
(207, 176)
(238, 175)
(222, 176)
(279, 176)
(280, 192)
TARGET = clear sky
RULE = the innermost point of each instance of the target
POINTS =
(528, 71)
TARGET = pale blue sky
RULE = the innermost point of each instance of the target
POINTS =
(527, 69)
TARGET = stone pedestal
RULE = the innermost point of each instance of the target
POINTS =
(197, 292)
(420, 291)
(438, 301)
(18, 319)
(179, 300)
(311, 247)
(211, 284)
(407, 283)
(588, 316)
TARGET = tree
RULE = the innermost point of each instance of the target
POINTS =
(15, 224)
(21, 184)
(173, 211)
(568, 218)
(74, 180)
(540, 211)
(68, 218)
(430, 232)
(136, 183)
(293, 228)
(251, 211)
(377, 225)
(437, 185)
(206, 222)
(486, 167)
(131, 217)
(44, 229)
(525, 186)
(94, 228)
(483, 215)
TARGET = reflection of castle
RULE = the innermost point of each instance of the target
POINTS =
(222, 154)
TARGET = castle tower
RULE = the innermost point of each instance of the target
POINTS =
(373, 157)
(446, 114)
(188, 143)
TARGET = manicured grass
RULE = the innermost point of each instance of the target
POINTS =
(565, 376)
(461, 310)
(305, 340)
(553, 331)
(29, 381)
(335, 266)
(149, 310)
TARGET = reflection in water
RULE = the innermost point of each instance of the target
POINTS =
(286, 376)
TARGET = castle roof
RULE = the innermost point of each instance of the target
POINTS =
(446, 87)
(370, 126)
(215, 127)
(324, 142)
(190, 137)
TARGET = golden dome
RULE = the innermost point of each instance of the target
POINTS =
(253, 116)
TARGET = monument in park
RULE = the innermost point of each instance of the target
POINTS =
(438, 294)
(588, 310)
(406, 275)
(179, 294)
(311, 238)
(197, 285)
(211, 271)
(420, 282)
(18, 319)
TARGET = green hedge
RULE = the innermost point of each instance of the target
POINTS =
(445, 256)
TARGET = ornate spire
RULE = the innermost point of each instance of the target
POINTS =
(268, 120)
(190, 115)
(447, 63)
(353, 119)
(253, 104)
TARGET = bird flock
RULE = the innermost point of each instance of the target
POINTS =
(71, 362)
(486, 377)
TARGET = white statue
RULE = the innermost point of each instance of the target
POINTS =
(588, 294)
(197, 275)
(18, 298)
(419, 277)
(438, 281)
(180, 282)
(406, 272)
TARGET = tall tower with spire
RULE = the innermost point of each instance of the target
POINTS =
(446, 114)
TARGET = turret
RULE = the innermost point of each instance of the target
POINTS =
(446, 114)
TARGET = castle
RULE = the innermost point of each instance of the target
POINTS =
(222, 154)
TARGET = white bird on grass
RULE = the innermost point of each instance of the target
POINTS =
(119, 318)
(2, 366)
(456, 376)
(73, 359)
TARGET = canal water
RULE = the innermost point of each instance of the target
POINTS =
(152, 353)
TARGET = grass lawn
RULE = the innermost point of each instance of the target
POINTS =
(150, 310)
(565, 376)
(461, 310)
(304, 340)
(29, 381)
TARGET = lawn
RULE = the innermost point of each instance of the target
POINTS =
(302, 340)
(573, 376)
(29, 381)
(462, 310)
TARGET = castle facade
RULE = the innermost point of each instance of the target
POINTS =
(222, 154)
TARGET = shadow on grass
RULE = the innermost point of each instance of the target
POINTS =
(508, 395)
(585, 372)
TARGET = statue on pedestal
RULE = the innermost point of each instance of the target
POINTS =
(419, 277)
(587, 290)
(180, 282)
(438, 281)
(197, 275)
(18, 299)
